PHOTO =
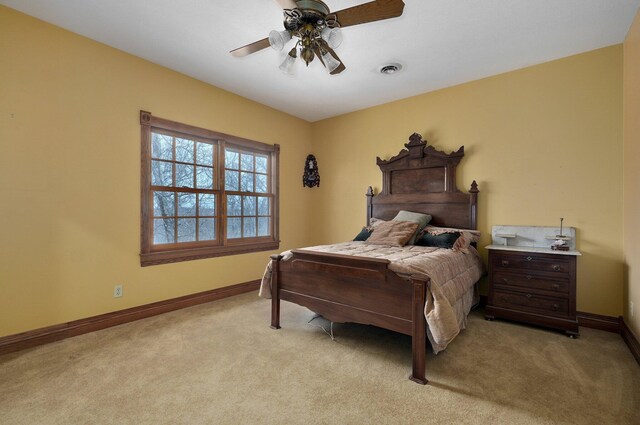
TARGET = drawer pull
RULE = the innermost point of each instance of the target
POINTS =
(555, 307)
(555, 267)
(505, 280)
(529, 296)
(529, 258)
(555, 286)
(505, 262)
(528, 277)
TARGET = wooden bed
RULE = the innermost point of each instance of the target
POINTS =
(363, 290)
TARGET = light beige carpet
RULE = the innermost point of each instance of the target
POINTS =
(220, 363)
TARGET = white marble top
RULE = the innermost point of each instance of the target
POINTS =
(531, 236)
(537, 250)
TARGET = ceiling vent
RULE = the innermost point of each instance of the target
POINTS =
(390, 68)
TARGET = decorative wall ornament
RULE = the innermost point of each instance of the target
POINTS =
(311, 176)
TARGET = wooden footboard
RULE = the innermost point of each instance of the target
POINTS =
(353, 289)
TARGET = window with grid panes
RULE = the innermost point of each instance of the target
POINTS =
(182, 188)
(204, 193)
(246, 177)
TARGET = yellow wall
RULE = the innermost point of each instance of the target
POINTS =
(632, 174)
(543, 142)
(70, 172)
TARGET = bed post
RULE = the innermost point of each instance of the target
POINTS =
(473, 206)
(369, 205)
(275, 291)
(419, 332)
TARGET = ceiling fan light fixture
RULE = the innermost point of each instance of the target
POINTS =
(333, 36)
(277, 39)
(330, 62)
(317, 30)
(287, 66)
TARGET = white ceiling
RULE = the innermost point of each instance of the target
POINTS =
(440, 43)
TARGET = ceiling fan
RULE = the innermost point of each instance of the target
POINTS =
(317, 30)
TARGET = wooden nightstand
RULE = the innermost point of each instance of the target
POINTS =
(533, 285)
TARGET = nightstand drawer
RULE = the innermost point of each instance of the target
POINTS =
(522, 281)
(531, 302)
(532, 261)
(534, 285)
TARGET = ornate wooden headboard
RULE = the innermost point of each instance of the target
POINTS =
(423, 179)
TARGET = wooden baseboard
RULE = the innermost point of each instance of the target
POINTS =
(630, 339)
(21, 341)
(597, 321)
(603, 323)
(586, 320)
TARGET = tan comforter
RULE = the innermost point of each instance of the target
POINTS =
(450, 294)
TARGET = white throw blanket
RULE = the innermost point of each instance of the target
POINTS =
(450, 293)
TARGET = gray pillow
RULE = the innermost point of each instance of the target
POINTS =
(421, 219)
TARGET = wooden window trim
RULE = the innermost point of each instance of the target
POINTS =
(169, 253)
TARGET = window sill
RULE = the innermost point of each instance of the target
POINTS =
(177, 255)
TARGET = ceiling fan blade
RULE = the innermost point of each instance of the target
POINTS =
(316, 50)
(287, 4)
(326, 47)
(370, 12)
(250, 48)
(340, 67)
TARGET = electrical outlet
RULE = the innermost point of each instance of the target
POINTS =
(631, 308)
(117, 291)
